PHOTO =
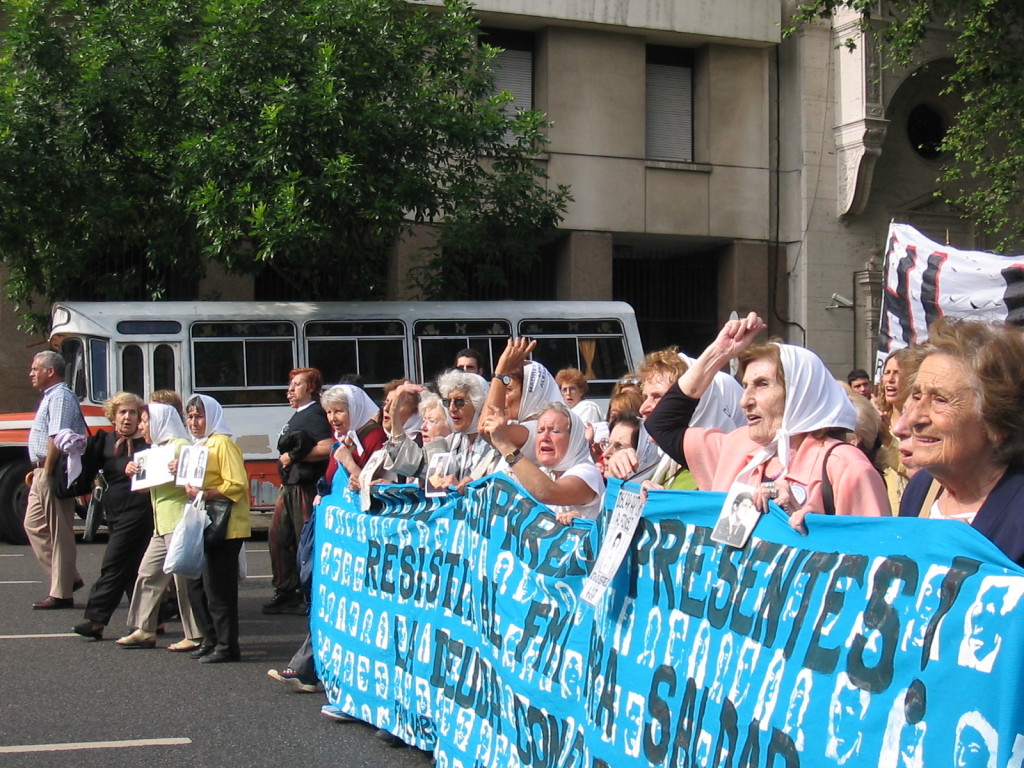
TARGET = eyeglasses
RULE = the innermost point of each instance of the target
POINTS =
(629, 380)
(570, 389)
(458, 402)
(615, 447)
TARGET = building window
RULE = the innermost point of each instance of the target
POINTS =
(513, 68)
(669, 104)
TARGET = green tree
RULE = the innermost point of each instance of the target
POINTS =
(985, 143)
(302, 136)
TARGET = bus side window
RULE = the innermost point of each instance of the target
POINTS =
(596, 347)
(438, 342)
(243, 363)
(373, 349)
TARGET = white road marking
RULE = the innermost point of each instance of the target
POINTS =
(22, 748)
(20, 582)
(38, 637)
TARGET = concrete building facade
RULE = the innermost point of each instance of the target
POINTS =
(714, 165)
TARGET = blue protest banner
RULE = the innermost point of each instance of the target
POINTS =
(455, 623)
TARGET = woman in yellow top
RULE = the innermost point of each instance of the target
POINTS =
(214, 595)
(161, 425)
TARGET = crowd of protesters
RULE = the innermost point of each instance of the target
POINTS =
(940, 435)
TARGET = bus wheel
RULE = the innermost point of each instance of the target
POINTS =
(13, 500)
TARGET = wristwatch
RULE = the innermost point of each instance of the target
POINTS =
(513, 458)
(503, 378)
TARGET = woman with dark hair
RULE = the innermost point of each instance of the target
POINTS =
(129, 515)
(214, 595)
(964, 423)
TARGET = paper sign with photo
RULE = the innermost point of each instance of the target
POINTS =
(437, 471)
(738, 517)
(153, 467)
(626, 514)
(192, 465)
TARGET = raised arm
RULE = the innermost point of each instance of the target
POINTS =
(735, 336)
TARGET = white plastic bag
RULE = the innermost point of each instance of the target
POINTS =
(186, 554)
(243, 564)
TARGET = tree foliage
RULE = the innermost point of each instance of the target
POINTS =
(985, 143)
(304, 136)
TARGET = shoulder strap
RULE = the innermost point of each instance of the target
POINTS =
(827, 494)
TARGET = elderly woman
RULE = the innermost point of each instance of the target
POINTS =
(564, 478)
(462, 396)
(574, 387)
(161, 425)
(787, 450)
(129, 515)
(214, 595)
(353, 416)
(965, 422)
(435, 421)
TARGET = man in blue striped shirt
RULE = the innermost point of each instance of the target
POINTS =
(49, 520)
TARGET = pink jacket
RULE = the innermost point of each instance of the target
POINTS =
(716, 458)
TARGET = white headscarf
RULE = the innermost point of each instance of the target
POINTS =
(165, 423)
(215, 423)
(539, 389)
(578, 451)
(361, 407)
(814, 400)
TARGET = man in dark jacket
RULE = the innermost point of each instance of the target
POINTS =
(305, 446)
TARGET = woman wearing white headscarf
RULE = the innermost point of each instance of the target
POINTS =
(160, 425)
(352, 414)
(214, 595)
(520, 390)
(791, 403)
(564, 476)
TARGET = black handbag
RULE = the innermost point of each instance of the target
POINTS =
(80, 486)
(219, 512)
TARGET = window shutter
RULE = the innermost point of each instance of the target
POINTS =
(669, 113)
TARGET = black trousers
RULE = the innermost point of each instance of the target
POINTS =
(214, 596)
(129, 537)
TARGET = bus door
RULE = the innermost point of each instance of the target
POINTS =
(146, 366)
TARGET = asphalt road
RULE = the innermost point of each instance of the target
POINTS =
(62, 696)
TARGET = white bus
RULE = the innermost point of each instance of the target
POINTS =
(240, 353)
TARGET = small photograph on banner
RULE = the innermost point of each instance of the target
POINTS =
(192, 465)
(437, 471)
(626, 514)
(154, 467)
(738, 517)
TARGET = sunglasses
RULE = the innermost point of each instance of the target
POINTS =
(458, 402)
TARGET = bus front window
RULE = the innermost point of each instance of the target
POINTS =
(100, 387)
(73, 352)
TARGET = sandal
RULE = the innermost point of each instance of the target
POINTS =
(183, 646)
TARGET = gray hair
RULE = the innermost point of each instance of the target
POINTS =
(428, 402)
(557, 407)
(469, 383)
(335, 395)
(51, 359)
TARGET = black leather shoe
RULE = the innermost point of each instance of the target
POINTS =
(220, 657)
(85, 629)
(202, 650)
(53, 603)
